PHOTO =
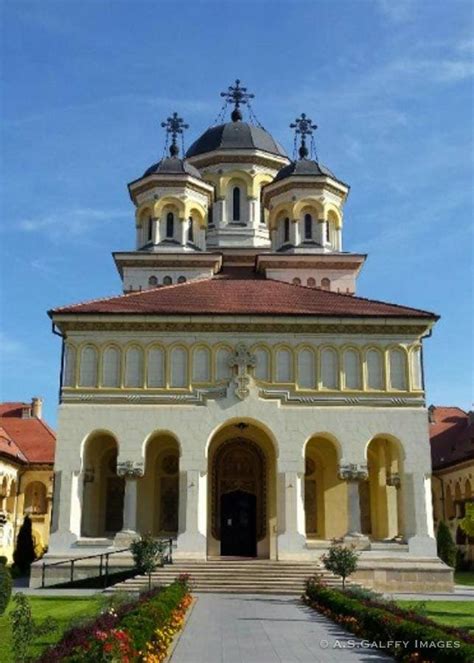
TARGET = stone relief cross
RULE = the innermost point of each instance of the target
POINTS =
(242, 359)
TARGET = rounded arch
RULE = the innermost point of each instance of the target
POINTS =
(160, 433)
(173, 203)
(143, 213)
(197, 212)
(258, 182)
(278, 212)
(90, 438)
(308, 205)
(250, 423)
(333, 215)
(237, 178)
(324, 435)
(389, 437)
(36, 498)
(398, 367)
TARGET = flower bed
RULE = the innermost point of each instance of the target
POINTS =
(138, 631)
(406, 635)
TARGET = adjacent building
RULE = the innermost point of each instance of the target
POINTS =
(452, 453)
(27, 447)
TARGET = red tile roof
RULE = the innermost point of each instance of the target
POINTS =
(226, 294)
(451, 436)
(29, 439)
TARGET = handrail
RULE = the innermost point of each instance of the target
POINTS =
(103, 568)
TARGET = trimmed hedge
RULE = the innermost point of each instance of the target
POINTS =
(381, 622)
(139, 619)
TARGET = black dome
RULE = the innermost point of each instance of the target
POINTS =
(303, 167)
(173, 166)
(235, 136)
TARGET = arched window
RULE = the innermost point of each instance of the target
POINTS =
(351, 369)
(286, 230)
(328, 232)
(262, 367)
(170, 225)
(181, 279)
(179, 367)
(374, 370)
(329, 369)
(152, 281)
(150, 229)
(236, 204)
(167, 280)
(325, 284)
(134, 367)
(308, 226)
(201, 365)
(296, 281)
(190, 230)
(69, 366)
(88, 367)
(397, 370)
(35, 498)
(156, 367)
(306, 369)
(111, 367)
(311, 282)
(284, 365)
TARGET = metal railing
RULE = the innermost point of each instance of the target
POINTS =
(103, 566)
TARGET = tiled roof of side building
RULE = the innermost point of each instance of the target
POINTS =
(31, 435)
(451, 436)
(232, 296)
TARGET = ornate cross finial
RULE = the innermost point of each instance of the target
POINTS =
(304, 127)
(237, 95)
(174, 125)
(242, 359)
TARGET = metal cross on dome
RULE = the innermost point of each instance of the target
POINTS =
(303, 127)
(174, 125)
(237, 95)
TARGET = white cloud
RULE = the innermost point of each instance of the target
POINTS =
(397, 11)
(71, 223)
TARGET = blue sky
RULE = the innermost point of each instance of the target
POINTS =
(86, 84)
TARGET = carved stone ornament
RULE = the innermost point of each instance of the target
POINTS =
(242, 359)
(130, 469)
(393, 479)
(353, 472)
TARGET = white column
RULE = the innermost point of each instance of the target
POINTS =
(221, 212)
(67, 510)
(418, 515)
(322, 226)
(294, 234)
(182, 232)
(290, 514)
(130, 505)
(353, 474)
(156, 236)
(192, 529)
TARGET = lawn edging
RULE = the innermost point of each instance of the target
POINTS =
(141, 629)
(402, 633)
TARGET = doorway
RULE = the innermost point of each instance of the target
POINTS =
(239, 524)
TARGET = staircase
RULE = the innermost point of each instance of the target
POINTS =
(237, 576)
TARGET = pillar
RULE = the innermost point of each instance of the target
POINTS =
(322, 226)
(353, 474)
(156, 235)
(291, 541)
(418, 514)
(294, 232)
(192, 526)
(183, 231)
(221, 212)
(67, 510)
(131, 471)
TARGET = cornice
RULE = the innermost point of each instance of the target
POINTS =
(258, 158)
(287, 397)
(205, 188)
(315, 184)
(195, 397)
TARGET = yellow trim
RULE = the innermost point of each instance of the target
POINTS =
(276, 349)
(308, 205)
(103, 350)
(169, 353)
(403, 350)
(300, 348)
(321, 350)
(342, 367)
(194, 349)
(172, 202)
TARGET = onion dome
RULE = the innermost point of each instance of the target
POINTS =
(235, 135)
(303, 167)
(173, 165)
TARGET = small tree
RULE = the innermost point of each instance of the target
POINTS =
(467, 523)
(147, 554)
(341, 560)
(25, 629)
(24, 554)
(446, 546)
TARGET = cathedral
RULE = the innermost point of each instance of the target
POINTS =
(239, 397)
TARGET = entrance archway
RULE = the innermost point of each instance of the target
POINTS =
(383, 512)
(241, 495)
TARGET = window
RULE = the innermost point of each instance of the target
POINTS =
(325, 284)
(167, 280)
(374, 370)
(111, 367)
(134, 367)
(181, 279)
(352, 369)
(236, 204)
(190, 230)
(329, 369)
(69, 366)
(170, 225)
(328, 232)
(286, 230)
(210, 216)
(152, 281)
(296, 281)
(311, 282)
(150, 229)
(397, 370)
(308, 226)
(88, 367)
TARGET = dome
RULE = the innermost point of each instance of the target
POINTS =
(303, 167)
(235, 136)
(173, 165)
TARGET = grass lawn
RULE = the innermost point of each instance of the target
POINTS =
(464, 578)
(459, 614)
(64, 610)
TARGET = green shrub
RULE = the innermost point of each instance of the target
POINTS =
(5, 588)
(385, 623)
(341, 560)
(3, 560)
(24, 554)
(25, 629)
(147, 554)
(446, 546)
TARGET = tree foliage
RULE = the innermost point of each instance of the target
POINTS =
(446, 546)
(341, 560)
(24, 554)
(467, 523)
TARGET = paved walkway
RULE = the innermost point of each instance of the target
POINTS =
(236, 628)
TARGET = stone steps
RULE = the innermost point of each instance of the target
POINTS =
(235, 576)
